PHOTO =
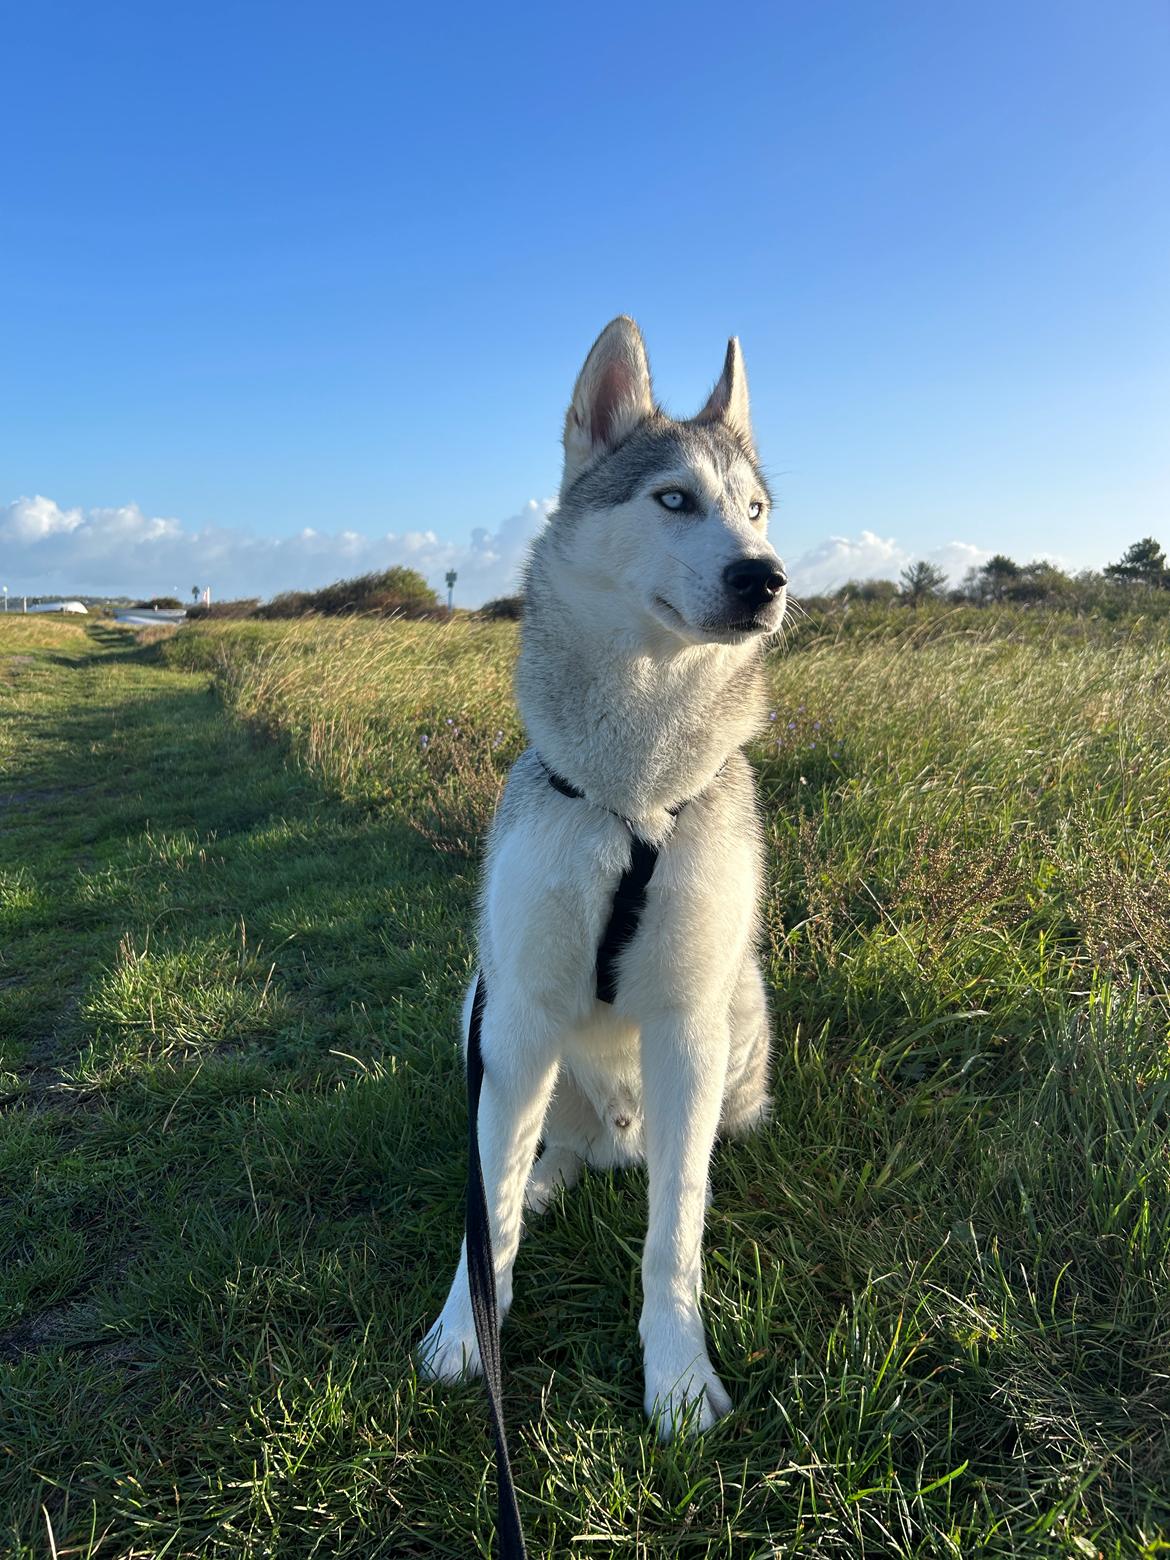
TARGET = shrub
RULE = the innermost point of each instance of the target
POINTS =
(160, 604)
(396, 592)
(503, 607)
(867, 591)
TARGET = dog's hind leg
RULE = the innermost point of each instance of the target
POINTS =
(746, 1097)
(519, 1061)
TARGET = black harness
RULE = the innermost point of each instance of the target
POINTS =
(629, 901)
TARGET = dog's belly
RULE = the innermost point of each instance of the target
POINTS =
(602, 1058)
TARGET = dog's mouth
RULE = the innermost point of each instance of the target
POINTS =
(723, 629)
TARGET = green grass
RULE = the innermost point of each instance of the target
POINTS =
(236, 894)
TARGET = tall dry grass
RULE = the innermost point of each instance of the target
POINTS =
(418, 716)
(935, 779)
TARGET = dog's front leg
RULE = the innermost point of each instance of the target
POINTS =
(684, 1063)
(519, 1073)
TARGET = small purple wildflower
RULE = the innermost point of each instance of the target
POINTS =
(424, 740)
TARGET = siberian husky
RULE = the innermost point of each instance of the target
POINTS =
(649, 598)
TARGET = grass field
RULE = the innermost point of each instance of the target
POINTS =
(237, 873)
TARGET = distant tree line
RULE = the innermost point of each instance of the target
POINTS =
(999, 580)
(1141, 571)
(1142, 568)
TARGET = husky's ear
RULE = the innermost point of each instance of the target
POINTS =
(728, 402)
(611, 397)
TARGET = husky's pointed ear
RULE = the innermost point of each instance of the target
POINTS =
(728, 402)
(611, 397)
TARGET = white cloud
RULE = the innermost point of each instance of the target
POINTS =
(869, 557)
(47, 550)
(34, 519)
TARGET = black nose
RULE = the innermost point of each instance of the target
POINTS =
(754, 580)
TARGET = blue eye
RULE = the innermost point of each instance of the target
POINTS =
(755, 509)
(678, 502)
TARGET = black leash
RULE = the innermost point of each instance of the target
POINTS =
(629, 901)
(481, 1282)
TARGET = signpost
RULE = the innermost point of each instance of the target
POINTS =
(451, 578)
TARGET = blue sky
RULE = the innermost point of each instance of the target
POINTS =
(268, 270)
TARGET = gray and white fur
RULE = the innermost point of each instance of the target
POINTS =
(649, 599)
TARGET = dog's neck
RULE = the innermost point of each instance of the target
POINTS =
(627, 712)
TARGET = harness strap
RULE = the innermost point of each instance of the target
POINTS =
(629, 901)
(559, 783)
(629, 898)
(567, 788)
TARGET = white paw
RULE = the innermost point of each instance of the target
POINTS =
(450, 1352)
(685, 1401)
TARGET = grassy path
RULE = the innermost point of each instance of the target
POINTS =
(231, 1152)
(208, 1072)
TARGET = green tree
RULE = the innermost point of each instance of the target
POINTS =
(407, 584)
(1143, 563)
(881, 591)
(921, 581)
(1040, 581)
(997, 576)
